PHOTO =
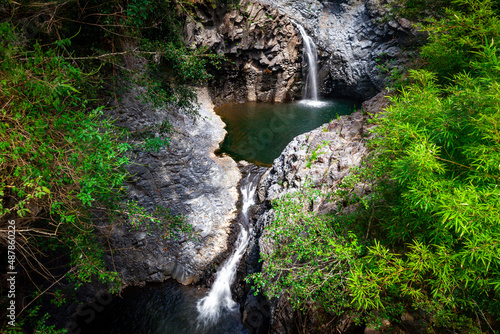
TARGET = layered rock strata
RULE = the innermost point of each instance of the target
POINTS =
(359, 41)
(261, 47)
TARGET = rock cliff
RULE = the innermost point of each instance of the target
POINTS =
(359, 47)
(345, 138)
(261, 47)
(355, 38)
(189, 179)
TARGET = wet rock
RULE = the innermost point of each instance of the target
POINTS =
(353, 37)
(262, 48)
(188, 179)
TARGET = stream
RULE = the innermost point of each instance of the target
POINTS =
(171, 308)
(220, 299)
(257, 133)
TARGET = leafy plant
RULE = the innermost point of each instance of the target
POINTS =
(312, 254)
(61, 158)
(437, 157)
(315, 152)
(57, 158)
(431, 232)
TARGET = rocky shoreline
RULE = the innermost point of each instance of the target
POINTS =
(346, 137)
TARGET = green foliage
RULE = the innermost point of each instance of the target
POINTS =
(170, 80)
(172, 67)
(312, 254)
(61, 159)
(41, 327)
(420, 9)
(437, 157)
(314, 154)
(457, 38)
(172, 226)
(431, 223)
(395, 74)
(37, 322)
(58, 299)
(440, 146)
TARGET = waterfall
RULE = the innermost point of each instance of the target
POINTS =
(219, 298)
(311, 56)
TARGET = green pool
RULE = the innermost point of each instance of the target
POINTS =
(258, 132)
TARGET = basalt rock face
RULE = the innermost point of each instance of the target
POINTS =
(353, 37)
(359, 47)
(262, 49)
(187, 178)
(346, 138)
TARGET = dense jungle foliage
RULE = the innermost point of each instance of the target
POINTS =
(63, 65)
(425, 244)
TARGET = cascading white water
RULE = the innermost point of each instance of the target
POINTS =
(311, 55)
(219, 298)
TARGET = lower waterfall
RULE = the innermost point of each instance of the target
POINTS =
(219, 298)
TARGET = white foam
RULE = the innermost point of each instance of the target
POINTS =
(314, 103)
(219, 298)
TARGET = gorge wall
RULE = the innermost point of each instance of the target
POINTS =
(353, 38)
(259, 38)
(261, 48)
(189, 179)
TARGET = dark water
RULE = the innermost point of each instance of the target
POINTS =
(167, 308)
(258, 132)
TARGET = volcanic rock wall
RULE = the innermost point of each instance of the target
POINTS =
(359, 44)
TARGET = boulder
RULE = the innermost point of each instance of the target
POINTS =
(342, 145)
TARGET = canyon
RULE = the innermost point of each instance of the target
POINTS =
(264, 62)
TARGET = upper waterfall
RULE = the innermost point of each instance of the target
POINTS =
(310, 54)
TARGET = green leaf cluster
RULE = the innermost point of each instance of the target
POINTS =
(426, 241)
(312, 254)
(456, 38)
(58, 159)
